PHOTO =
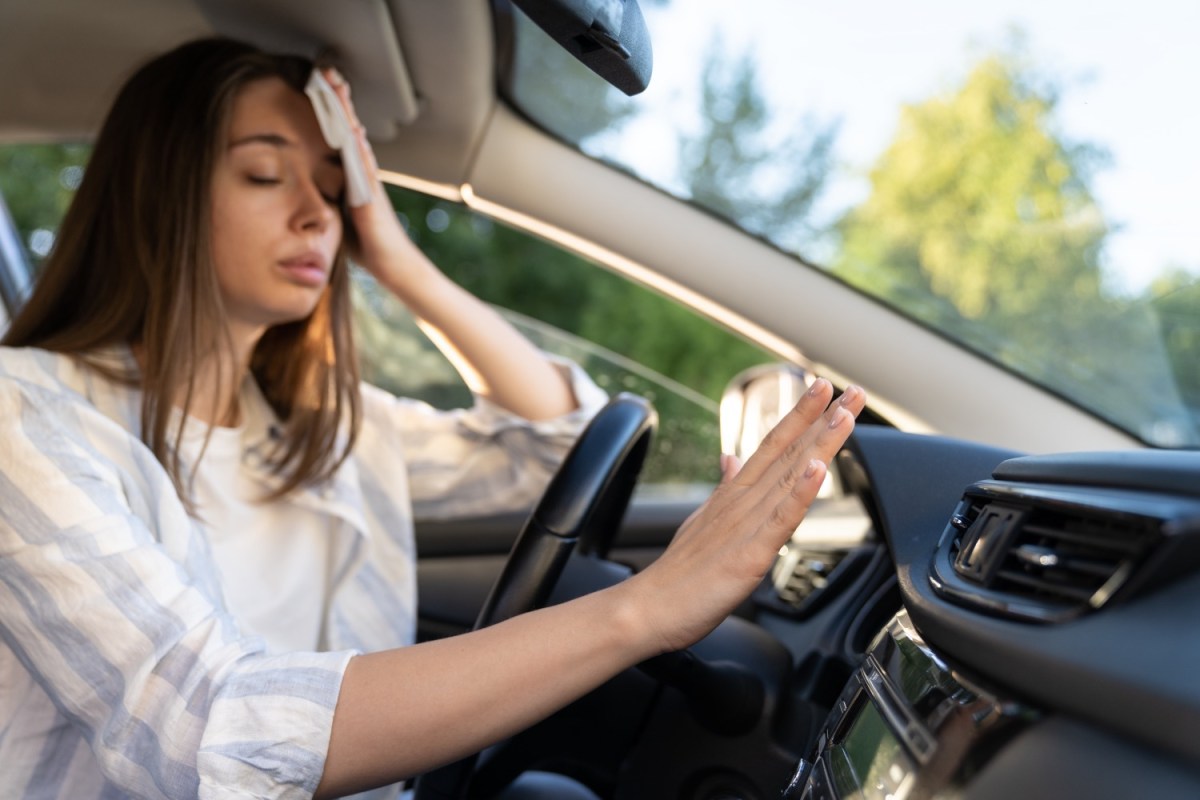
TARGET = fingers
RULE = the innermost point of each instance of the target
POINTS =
(796, 431)
(731, 540)
(342, 88)
(786, 471)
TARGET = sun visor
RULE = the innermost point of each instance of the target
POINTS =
(361, 37)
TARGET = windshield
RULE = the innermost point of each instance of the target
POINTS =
(1016, 175)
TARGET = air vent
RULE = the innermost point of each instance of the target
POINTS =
(803, 579)
(797, 574)
(1037, 555)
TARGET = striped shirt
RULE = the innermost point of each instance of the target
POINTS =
(122, 673)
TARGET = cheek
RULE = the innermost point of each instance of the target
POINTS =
(238, 235)
(225, 247)
(337, 227)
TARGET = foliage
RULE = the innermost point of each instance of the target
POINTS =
(747, 165)
(981, 222)
(978, 203)
(1175, 300)
(37, 182)
(519, 272)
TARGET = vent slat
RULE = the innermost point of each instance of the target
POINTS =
(1052, 557)
(1106, 538)
(1043, 585)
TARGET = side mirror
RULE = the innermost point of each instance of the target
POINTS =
(609, 36)
(755, 400)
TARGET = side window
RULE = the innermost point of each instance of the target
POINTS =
(36, 184)
(38, 181)
(625, 336)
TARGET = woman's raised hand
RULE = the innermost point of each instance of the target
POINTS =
(383, 247)
(723, 551)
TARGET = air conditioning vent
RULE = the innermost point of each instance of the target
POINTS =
(804, 579)
(1071, 559)
(1037, 555)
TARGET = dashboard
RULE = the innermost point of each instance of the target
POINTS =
(1045, 642)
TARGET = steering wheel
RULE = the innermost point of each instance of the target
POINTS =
(581, 510)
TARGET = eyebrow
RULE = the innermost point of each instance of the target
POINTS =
(276, 140)
(273, 139)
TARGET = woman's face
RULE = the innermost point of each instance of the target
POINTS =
(276, 194)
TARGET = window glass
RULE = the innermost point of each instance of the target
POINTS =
(625, 336)
(38, 181)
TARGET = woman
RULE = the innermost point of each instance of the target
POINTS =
(206, 568)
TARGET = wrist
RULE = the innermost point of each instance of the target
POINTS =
(631, 617)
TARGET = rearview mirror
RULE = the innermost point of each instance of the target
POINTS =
(609, 36)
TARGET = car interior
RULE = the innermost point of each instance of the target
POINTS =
(992, 595)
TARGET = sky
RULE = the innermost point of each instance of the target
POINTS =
(1127, 72)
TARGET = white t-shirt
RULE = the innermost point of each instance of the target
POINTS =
(276, 560)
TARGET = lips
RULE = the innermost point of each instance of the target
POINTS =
(306, 269)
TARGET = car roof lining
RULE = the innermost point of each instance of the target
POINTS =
(361, 40)
(70, 56)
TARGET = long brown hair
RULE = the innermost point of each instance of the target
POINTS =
(132, 264)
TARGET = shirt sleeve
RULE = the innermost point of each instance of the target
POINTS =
(484, 459)
(107, 600)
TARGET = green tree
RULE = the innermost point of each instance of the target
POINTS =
(979, 205)
(745, 163)
(1175, 299)
(515, 270)
(38, 182)
(981, 221)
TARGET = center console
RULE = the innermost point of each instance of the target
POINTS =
(906, 726)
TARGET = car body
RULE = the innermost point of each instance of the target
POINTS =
(892, 663)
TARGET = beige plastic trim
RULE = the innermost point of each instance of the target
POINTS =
(360, 37)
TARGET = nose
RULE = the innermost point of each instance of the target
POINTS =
(313, 213)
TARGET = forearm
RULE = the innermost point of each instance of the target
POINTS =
(495, 360)
(404, 711)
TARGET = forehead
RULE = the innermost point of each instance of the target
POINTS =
(270, 107)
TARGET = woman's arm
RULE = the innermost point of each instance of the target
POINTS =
(404, 711)
(494, 359)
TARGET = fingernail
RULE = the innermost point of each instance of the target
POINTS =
(816, 388)
(811, 469)
(836, 419)
(850, 395)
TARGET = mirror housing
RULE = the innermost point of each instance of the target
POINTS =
(755, 400)
(610, 37)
